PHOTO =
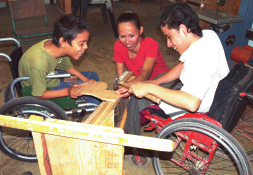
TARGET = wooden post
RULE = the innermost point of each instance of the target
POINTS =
(63, 7)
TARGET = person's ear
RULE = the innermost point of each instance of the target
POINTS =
(183, 29)
(62, 42)
(141, 30)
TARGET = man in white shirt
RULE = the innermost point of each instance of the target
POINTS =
(202, 65)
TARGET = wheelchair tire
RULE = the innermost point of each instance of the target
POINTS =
(7, 92)
(243, 131)
(228, 157)
(17, 143)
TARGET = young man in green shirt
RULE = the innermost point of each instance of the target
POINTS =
(69, 39)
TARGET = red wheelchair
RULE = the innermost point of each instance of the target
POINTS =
(218, 142)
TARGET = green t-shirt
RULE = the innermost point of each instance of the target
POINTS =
(37, 63)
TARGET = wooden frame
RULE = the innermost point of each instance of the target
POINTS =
(65, 147)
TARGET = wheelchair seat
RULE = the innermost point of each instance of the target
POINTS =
(158, 112)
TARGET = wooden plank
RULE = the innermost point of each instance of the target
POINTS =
(123, 119)
(109, 121)
(104, 110)
(127, 76)
(120, 113)
(83, 131)
(102, 113)
(98, 89)
(77, 156)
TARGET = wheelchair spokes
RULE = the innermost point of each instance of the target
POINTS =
(243, 132)
(19, 144)
(199, 148)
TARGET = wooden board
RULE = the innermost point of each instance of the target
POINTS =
(65, 156)
(105, 113)
(98, 89)
(69, 129)
(65, 147)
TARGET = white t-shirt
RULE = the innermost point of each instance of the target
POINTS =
(204, 66)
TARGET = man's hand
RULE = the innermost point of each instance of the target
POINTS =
(75, 91)
(139, 89)
(92, 81)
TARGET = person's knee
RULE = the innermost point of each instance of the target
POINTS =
(94, 76)
(90, 75)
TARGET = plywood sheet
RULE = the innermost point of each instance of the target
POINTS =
(98, 89)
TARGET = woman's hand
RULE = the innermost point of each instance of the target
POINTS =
(123, 92)
(75, 91)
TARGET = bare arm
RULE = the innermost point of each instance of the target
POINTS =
(174, 97)
(146, 72)
(172, 75)
(120, 68)
(73, 91)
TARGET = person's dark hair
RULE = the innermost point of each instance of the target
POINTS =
(68, 27)
(129, 16)
(177, 13)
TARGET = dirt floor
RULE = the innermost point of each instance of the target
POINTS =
(98, 58)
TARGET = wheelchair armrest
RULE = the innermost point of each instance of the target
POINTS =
(11, 39)
(59, 76)
(27, 78)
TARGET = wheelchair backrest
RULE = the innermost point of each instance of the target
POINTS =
(228, 105)
(15, 57)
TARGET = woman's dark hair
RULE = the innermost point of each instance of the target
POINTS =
(130, 17)
(68, 27)
(178, 13)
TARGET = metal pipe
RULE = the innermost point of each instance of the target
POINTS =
(27, 78)
(11, 39)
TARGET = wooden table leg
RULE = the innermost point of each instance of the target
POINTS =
(111, 16)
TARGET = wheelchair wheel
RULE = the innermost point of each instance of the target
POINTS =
(7, 92)
(200, 147)
(17, 143)
(243, 131)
